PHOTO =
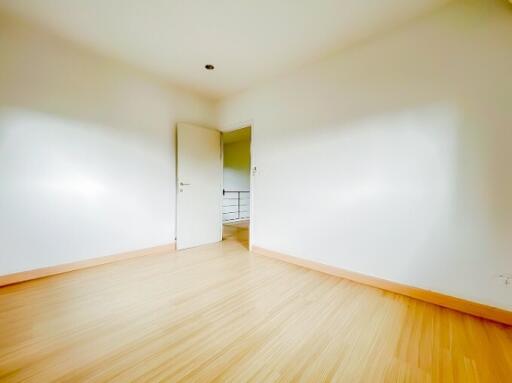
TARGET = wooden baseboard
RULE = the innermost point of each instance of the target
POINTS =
(462, 305)
(23, 276)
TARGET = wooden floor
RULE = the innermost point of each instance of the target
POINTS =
(237, 231)
(219, 313)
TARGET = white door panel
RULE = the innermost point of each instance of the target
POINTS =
(199, 176)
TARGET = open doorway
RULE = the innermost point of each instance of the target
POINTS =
(236, 193)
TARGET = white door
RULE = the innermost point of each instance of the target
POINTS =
(199, 176)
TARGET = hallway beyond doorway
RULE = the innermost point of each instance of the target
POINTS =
(236, 232)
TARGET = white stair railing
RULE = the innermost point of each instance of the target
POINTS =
(235, 205)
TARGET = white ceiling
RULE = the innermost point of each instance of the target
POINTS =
(247, 40)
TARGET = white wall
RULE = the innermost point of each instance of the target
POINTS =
(237, 165)
(394, 158)
(87, 162)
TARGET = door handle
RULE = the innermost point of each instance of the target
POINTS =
(184, 184)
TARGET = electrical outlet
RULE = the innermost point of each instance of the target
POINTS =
(505, 279)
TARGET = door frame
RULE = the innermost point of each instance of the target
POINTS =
(253, 171)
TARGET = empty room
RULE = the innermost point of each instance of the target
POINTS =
(255, 191)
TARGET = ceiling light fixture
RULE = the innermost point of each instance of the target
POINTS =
(209, 67)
